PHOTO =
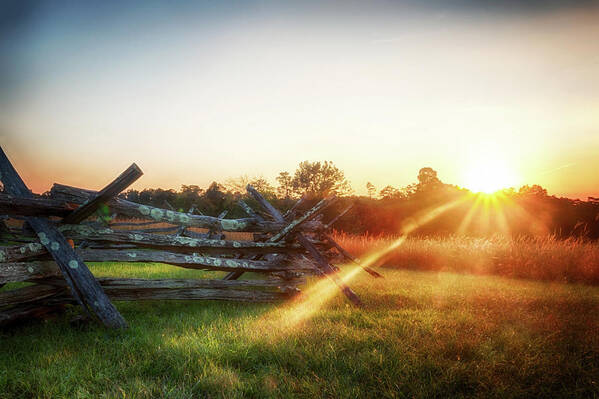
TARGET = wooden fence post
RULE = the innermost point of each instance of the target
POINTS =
(323, 264)
(124, 180)
(84, 287)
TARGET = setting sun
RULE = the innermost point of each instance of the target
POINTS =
(488, 176)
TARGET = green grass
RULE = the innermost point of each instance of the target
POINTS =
(420, 334)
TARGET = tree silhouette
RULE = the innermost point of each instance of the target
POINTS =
(534, 190)
(319, 179)
(427, 179)
(370, 189)
(526, 211)
(214, 193)
(238, 185)
(263, 186)
(189, 195)
(390, 192)
(285, 185)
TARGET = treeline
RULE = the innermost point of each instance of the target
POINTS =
(210, 201)
(526, 212)
(433, 207)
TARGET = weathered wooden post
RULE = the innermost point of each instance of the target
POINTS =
(84, 287)
(349, 257)
(61, 276)
(321, 261)
(330, 224)
(124, 180)
(287, 229)
(295, 206)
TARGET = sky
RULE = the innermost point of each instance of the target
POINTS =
(481, 91)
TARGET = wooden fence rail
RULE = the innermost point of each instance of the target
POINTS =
(58, 238)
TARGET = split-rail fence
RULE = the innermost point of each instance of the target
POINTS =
(47, 241)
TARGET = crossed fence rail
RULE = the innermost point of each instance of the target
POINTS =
(58, 236)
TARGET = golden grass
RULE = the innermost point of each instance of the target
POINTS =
(541, 258)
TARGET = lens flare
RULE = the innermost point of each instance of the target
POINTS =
(285, 319)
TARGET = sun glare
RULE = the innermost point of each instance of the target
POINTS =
(488, 175)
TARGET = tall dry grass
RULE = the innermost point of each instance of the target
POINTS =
(546, 258)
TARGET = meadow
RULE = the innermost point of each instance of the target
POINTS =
(538, 258)
(419, 334)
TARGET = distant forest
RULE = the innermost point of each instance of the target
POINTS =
(528, 211)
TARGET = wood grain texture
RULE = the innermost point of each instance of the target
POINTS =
(82, 232)
(84, 287)
(191, 261)
(323, 264)
(27, 271)
(19, 206)
(291, 212)
(132, 209)
(294, 225)
(28, 294)
(143, 289)
(37, 309)
(250, 212)
(124, 180)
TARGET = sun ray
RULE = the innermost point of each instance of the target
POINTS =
(522, 214)
(498, 211)
(468, 218)
(485, 215)
(285, 319)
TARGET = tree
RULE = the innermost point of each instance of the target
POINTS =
(238, 185)
(409, 190)
(189, 196)
(214, 194)
(427, 179)
(191, 189)
(263, 186)
(370, 189)
(390, 192)
(319, 179)
(285, 185)
(534, 190)
(130, 195)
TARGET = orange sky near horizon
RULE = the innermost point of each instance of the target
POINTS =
(508, 98)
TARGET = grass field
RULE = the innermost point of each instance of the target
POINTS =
(420, 334)
(540, 258)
